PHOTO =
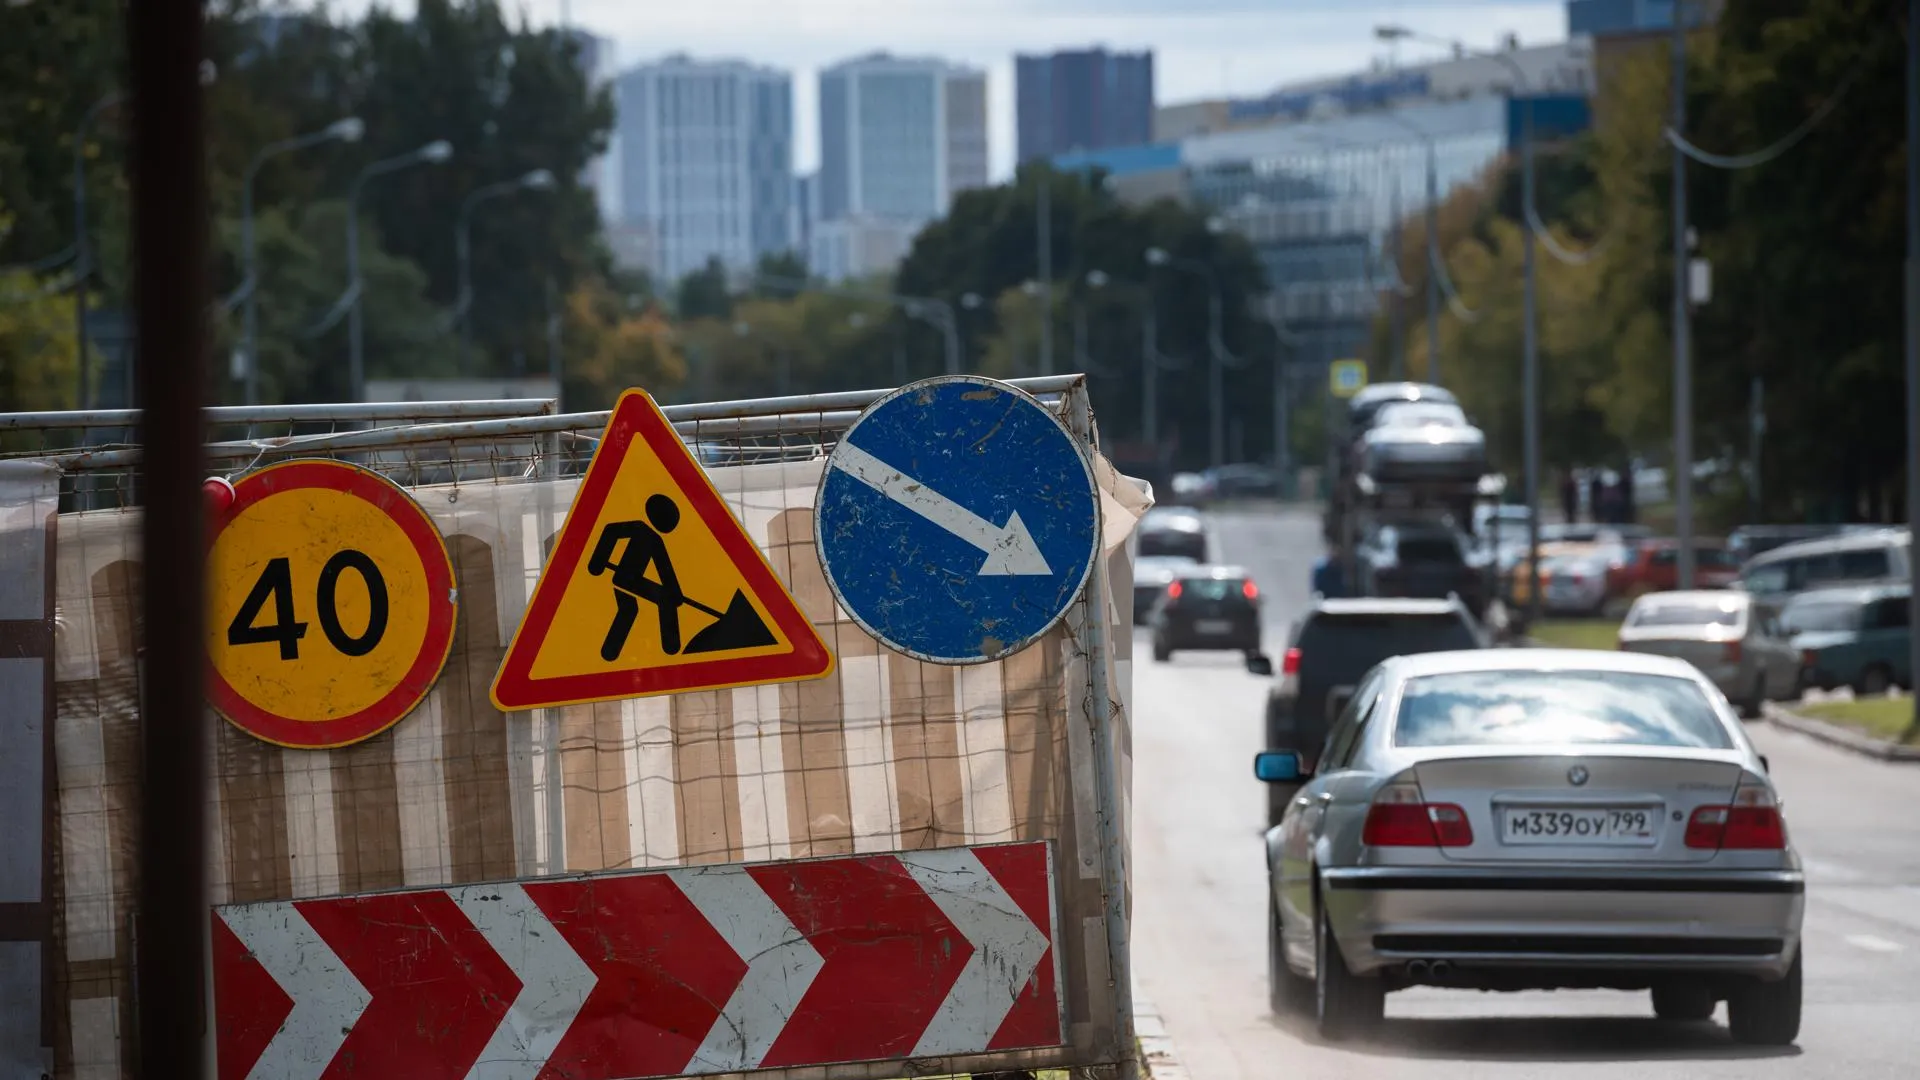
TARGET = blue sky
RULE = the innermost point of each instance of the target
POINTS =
(1202, 48)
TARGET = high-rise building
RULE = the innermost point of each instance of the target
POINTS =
(602, 174)
(899, 137)
(706, 162)
(1083, 99)
(806, 212)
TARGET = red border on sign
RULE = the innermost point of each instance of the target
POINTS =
(636, 416)
(413, 687)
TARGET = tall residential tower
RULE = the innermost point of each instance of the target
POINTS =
(706, 164)
(1081, 100)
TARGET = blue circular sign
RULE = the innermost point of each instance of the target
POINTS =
(957, 520)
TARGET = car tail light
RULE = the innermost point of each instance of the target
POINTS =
(1173, 591)
(1733, 652)
(1751, 822)
(1401, 817)
(1251, 590)
(1809, 658)
(1290, 663)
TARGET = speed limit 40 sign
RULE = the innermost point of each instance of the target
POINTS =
(331, 605)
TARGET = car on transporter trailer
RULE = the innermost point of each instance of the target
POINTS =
(1522, 819)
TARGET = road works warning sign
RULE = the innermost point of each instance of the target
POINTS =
(331, 605)
(653, 587)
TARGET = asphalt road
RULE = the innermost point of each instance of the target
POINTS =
(1199, 937)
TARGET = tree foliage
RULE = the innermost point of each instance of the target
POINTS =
(1806, 253)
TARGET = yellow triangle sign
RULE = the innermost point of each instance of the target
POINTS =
(653, 587)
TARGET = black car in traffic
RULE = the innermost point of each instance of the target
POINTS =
(1215, 608)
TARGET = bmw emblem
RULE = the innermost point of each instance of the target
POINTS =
(1577, 776)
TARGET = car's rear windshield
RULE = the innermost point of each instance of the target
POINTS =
(1687, 615)
(1213, 588)
(1428, 549)
(1549, 708)
(1335, 650)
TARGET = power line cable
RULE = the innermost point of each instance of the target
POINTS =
(1786, 143)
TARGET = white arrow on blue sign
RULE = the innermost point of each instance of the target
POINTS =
(957, 520)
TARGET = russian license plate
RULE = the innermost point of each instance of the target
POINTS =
(1213, 626)
(1581, 825)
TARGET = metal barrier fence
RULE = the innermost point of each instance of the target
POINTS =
(888, 756)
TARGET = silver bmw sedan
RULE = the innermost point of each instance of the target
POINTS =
(1522, 819)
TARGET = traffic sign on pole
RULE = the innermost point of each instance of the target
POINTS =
(957, 520)
(653, 587)
(1349, 377)
(331, 605)
(684, 972)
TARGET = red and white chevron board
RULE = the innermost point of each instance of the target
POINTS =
(690, 971)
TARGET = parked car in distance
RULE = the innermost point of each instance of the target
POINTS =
(1736, 644)
(1857, 636)
(1878, 556)
(1151, 576)
(1654, 566)
(1186, 488)
(1207, 607)
(1242, 481)
(1172, 530)
(1521, 819)
(1335, 643)
(1423, 560)
(1748, 541)
(1575, 583)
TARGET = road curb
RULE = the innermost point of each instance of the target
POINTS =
(1835, 735)
(1158, 1061)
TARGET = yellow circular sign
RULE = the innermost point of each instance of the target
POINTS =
(330, 606)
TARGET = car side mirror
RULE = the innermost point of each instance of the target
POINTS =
(1765, 765)
(1260, 664)
(1278, 767)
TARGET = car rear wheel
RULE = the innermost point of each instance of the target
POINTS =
(1750, 705)
(1873, 682)
(1767, 1013)
(1161, 652)
(1345, 1004)
(1683, 1002)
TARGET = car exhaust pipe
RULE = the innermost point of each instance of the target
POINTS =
(1440, 970)
(1417, 970)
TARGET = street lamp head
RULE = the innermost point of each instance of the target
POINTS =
(436, 151)
(970, 301)
(538, 180)
(1216, 224)
(347, 129)
(1097, 279)
(1031, 288)
(857, 320)
(209, 72)
(1391, 32)
(1157, 256)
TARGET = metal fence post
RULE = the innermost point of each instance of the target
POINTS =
(1113, 875)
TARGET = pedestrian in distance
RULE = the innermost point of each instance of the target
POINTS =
(1596, 496)
(1569, 497)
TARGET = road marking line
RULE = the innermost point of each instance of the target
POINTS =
(1873, 944)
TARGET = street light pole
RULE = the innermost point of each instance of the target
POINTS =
(1433, 266)
(537, 180)
(1044, 229)
(1216, 347)
(1682, 324)
(437, 151)
(349, 129)
(1913, 320)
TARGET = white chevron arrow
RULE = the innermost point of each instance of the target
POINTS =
(1007, 947)
(781, 965)
(327, 998)
(554, 981)
(1010, 550)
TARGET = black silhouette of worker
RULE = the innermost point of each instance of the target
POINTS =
(738, 627)
(645, 549)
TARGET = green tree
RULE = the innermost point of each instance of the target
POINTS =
(704, 294)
